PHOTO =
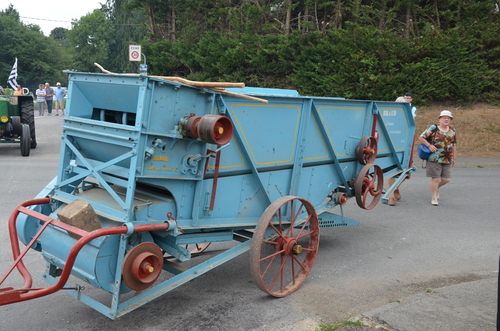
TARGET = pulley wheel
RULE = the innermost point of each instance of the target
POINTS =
(215, 129)
(142, 266)
(366, 152)
(340, 198)
(368, 186)
(191, 124)
(282, 252)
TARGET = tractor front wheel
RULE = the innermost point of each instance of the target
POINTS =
(28, 117)
(25, 140)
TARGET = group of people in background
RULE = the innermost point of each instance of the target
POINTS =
(441, 139)
(46, 95)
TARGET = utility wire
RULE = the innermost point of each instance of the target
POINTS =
(45, 19)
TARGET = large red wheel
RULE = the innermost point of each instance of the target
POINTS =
(368, 186)
(284, 245)
(366, 151)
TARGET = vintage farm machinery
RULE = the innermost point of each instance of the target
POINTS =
(152, 171)
(17, 122)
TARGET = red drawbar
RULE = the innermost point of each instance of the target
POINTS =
(10, 295)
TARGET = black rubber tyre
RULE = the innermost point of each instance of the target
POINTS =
(28, 117)
(16, 125)
(25, 140)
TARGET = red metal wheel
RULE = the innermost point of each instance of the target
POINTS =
(366, 152)
(340, 198)
(215, 129)
(369, 185)
(284, 246)
(142, 266)
(192, 122)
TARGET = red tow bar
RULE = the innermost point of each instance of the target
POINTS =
(10, 295)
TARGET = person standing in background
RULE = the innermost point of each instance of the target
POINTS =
(408, 97)
(59, 102)
(40, 99)
(396, 195)
(19, 90)
(49, 96)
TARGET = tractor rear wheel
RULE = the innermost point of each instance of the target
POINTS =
(25, 140)
(28, 117)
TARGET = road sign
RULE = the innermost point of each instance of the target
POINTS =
(143, 67)
(134, 53)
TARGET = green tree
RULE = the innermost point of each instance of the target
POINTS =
(445, 50)
(129, 29)
(40, 59)
(92, 39)
(60, 34)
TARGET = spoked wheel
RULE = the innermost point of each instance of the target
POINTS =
(368, 186)
(284, 246)
(366, 151)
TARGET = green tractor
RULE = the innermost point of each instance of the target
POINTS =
(17, 121)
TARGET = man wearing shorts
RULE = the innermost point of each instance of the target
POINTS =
(59, 102)
(441, 139)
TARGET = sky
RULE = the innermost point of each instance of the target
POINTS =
(51, 14)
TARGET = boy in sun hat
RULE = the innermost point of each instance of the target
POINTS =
(40, 98)
(441, 139)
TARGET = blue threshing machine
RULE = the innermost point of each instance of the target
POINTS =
(153, 171)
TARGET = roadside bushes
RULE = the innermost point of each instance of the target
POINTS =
(355, 63)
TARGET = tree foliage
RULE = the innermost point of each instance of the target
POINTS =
(446, 50)
(440, 50)
(40, 58)
(92, 39)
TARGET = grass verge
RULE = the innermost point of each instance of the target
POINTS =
(478, 128)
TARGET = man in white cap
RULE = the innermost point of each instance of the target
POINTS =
(59, 95)
(396, 195)
(441, 139)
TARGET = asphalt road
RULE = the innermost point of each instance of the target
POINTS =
(395, 252)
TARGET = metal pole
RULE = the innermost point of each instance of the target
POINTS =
(145, 72)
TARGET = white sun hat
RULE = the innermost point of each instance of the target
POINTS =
(446, 113)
